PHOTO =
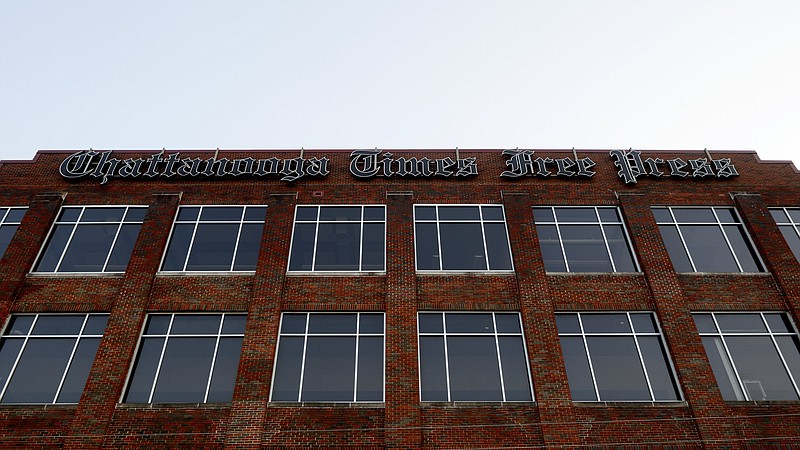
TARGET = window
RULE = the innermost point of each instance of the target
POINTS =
(616, 357)
(46, 358)
(788, 220)
(92, 239)
(338, 238)
(476, 357)
(706, 240)
(329, 357)
(461, 238)
(755, 356)
(215, 238)
(10, 219)
(583, 239)
(187, 358)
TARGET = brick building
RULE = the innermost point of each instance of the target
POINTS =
(431, 298)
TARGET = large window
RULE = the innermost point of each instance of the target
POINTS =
(338, 238)
(788, 220)
(754, 355)
(472, 357)
(215, 239)
(583, 239)
(616, 357)
(92, 239)
(46, 358)
(330, 357)
(10, 219)
(187, 358)
(461, 238)
(706, 240)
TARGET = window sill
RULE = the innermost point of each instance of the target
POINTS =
(206, 274)
(466, 272)
(173, 405)
(747, 274)
(335, 274)
(325, 404)
(75, 274)
(472, 404)
(37, 405)
(633, 403)
(594, 274)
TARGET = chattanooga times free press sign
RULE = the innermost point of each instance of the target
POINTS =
(365, 164)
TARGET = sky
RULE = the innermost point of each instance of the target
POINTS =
(322, 74)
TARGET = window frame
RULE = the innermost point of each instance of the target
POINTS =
(722, 334)
(305, 335)
(197, 223)
(28, 336)
(481, 221)
(720, 225)
(76, 223)
(633, 334)
(361, 222)
(4, 212)
(600, 222)
(495, 334)
(218, 336)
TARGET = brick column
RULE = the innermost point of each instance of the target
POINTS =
(107, 377)
(549, 375)
(402, 376)
(248, 418)
(22, 250)
(773, 248)
(671, 304)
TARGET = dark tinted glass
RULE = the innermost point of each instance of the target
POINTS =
(497, 246)
(248, 247)
(576, 215)
(551, 248)
(608, 214)
(210, 213)
(303, 246)
(577, 364)
(474, 371)
(708, 248)
(515, 368)
(605, 323)
(226, 364)
(157, 324)
(307, 212)
(95, 325)
(374, 213)
(135, 214)
(39, 371)
(123, 247)
(288, 364)
(760, 368)
(102, 214)
(19, 325)
(790, 349)
(195, 324)
(694, 215)
(643, 323)
(568, 323)
(726, 381)
(790, 234)
(425, 213)
(462, 246)
(430, 323)
(144, 370)
(370, 323)
(704, 323)
(88, 249)
(329, 373)
(794, 214)
(9, 349)
(779, 216)
(543, 215)
(617, 369)
(54, 248)
(69, 215)
(183, 377)
(662, 215)
(507, 323)
(188, 213)
(585, 248)
(620, 250)
(340, 213)
(255, 213)
(741, 323)
(6, 234)
(726, 215)
(492, 212)
(72, 388)
(779, 323)
(677, 253)
(370, 369)
(332, 323)
(294, 323)
(178, 247)
(663, 384)
(15, 215)
(373, 247)
(469, 323)
(234, 324)
(433, 372)
(426, 244)
(745, 253)
(338, 246)
(459, 213)
(58, 324)
(213, 246)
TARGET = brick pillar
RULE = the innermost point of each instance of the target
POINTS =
(550, 385)
(248, 421)
(107, 377)
(773, 248)
(671, 304)
(402, 376)
(22, 250)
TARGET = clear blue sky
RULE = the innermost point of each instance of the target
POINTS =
(185, 74)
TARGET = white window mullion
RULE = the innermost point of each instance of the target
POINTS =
(214, 358)
(69, 240)
(71, 357)
(161, 358)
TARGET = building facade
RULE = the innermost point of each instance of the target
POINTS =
(402, 299)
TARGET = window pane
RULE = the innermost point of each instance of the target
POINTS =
(329, 373)
(779, 323)
(307, 212)
(375, 213)
(225, 367)
(605, 323)
(293, 323)
(543, 215)
(6, 234)
(19, 325)
(794, 214)
(432, 369)
(303, 246)
(662, 382)
(497, 246)
(609, 214)
(515, 368)
(248, 247)
(430, 323)
(726, 215)
(576, 215)
(340, 213)
(662, 215)
(102, 214)
(740, 322)
(585, 249)
(474, 371)
(331, 323)
(78, 372)
(58, 324)
(492, 212)
(195, 324)
(144, 370)
(579, 375)
(184, 371)
(373, 247)
(722, 368)
(694, 215)
(338, 246)
(255, 213)
(288, 364)
(95, 324)
(779, 216)
(229, 213)
(708, 248)
(15, 215)
(234, 324)
(425, 213)
(462, 246)
(9, 349)
(213, 246)
(370, 369)
(790, 349)
(370, 323)
(157, 324)
(620, 250)
(426, 246)
(677, 254)
(135, 215)
(704, 323)
(39, 371)
(469, 323)
(644, 323)
(178, 247)
(188, 213)
(459, 213)
(88, 249)
(121, 254)
(744, 251)
(69, 214)
(567, 323)
(760, 368)
(54, 248)
(617, 368)
(507, 323)
(790, 234)
(551, 248)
